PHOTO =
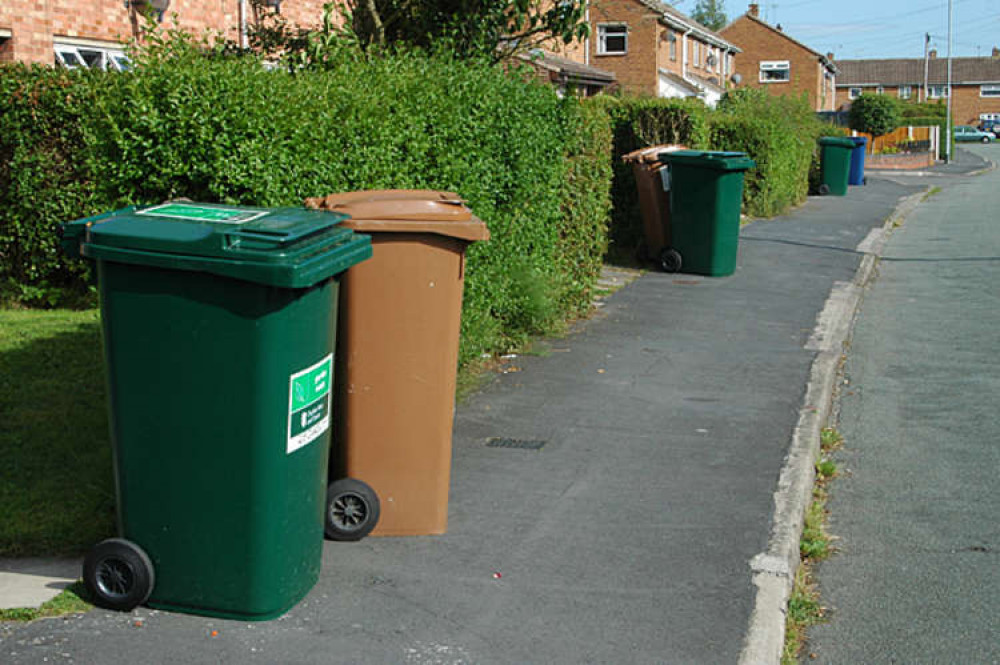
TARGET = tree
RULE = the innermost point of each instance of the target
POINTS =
(495, 29)
(874, 114)
(711, 14)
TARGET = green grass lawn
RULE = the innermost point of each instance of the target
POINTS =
(56, 482)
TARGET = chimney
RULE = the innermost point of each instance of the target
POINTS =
(932, 53)
(996, 52)
(754, 10)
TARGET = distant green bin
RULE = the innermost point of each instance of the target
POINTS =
(835, 164)
(219, 328)
(706, 195)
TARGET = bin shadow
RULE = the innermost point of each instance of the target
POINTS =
(56, 483)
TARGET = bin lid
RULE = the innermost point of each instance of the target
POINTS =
(715, 160)
(839, 141)
(858, 140)
(651, 154)
(405, 211)
(286, 247)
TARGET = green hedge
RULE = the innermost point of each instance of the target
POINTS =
(224, 129)
(779, 134)
(46, 176)
(638, 123)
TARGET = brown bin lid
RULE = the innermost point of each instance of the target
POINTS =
(405, 210)
(650, 154)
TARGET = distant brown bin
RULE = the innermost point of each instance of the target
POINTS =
(398, 351)
(654, 202)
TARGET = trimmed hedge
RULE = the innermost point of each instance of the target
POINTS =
(638, 123)
(224, 129)
(779, 134)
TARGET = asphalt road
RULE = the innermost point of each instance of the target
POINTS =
(917, 576)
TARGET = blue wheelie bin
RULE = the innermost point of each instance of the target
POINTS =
(857, 174)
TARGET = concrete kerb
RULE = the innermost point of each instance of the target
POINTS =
(773, 571)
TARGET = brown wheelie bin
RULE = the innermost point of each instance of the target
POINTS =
(654, 202)
(398, 333)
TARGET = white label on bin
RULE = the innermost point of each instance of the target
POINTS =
(199, 213)
(309, 404)
(665, 179)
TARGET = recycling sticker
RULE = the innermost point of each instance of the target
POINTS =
(309, 404)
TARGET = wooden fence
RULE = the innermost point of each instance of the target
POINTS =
(902, 135)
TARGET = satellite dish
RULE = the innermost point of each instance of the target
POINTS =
(736, 79)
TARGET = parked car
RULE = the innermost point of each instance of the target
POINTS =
(970, 133)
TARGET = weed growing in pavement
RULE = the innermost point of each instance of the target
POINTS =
(815, 545)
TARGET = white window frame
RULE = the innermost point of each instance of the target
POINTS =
(775, 66)
(673, 46)
(620, 31)
(989, 90)
(879, 90)
(72, 56)
(905, 91)
(855, 92)
(697, 54)
(937, 92)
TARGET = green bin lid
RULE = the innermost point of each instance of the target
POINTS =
(839, 141)
(716, 160)
(285, 247)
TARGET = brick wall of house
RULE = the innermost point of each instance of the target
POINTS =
(635, 71)
(966, 102)
(34, 24)
(759, 43)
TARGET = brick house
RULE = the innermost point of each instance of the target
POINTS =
(975, 86)
(93, 32)
(655, 50)
(779, 64)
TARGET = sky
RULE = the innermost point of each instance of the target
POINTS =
(853, 29)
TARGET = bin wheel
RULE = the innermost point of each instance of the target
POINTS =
(670, 260)
(352, 510)
(824, 189)
(118, 574)
(985, 139)
(864, 181)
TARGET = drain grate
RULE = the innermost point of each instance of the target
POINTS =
(520, 444)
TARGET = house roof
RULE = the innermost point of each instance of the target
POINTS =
(829, 64)
(910, 71)
(568, 69)
(679, 20)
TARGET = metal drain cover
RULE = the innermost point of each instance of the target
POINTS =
(521, 444)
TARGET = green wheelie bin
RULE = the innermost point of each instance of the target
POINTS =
(706, 195)
(219, 327)
(835, 164)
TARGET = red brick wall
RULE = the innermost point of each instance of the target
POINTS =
(636, 70)
(762, 43)
(966, 104)
(34, 23)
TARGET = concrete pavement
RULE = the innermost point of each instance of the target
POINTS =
(643, 510)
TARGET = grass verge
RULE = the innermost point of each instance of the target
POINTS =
(56, 486)
(73, 600)
(815, 545)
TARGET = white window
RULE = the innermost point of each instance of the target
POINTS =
(697, 54)
(90, 57)
(673, 46)
(775, 71)
(612, 39)
(854, 93)
(937, 92)
(905, 91)
(879, 90)
(989, 90)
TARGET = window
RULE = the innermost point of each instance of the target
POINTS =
(937, 92)
(90, 57)
(854, 93)
(775, 71)
(673, 46)
(989, 90)
(612, 39)
(905, 91)
(880, 90)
